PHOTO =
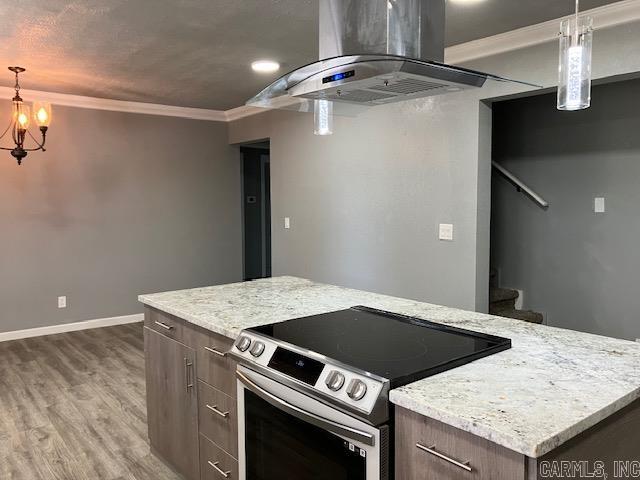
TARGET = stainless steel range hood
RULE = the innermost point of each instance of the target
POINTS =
(374, 52)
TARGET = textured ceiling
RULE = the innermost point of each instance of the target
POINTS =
(196, 53)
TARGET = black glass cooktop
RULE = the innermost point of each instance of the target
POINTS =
(396, 347)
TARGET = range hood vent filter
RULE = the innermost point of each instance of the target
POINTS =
(409, 86)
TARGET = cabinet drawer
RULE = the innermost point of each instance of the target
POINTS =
(217, 417)
(163, 323)
(214, 365)
(427, 449)
(215, 464)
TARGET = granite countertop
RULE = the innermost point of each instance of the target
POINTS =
(550, 386)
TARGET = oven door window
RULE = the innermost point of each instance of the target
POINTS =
(279, 446)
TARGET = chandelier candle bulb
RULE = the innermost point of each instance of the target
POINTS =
(23, 116)
(42, 113)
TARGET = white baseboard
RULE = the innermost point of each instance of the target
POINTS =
(71, 327)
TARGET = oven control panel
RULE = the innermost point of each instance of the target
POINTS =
(336, 381)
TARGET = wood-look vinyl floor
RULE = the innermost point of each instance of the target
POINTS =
(73, 407)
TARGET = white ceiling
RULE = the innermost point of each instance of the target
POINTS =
(196, 53)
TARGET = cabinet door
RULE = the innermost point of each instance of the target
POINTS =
(172, 404)
(430, 450)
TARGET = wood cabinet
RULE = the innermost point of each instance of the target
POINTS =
(430, 450)
(191, 390)
(215, 367)
(172, 406)
(215, 463)
(218, 418)
(166, 324)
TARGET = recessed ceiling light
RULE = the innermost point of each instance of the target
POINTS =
(265, 66)
(466, 2)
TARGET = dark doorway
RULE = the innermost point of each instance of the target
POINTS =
(256, 201)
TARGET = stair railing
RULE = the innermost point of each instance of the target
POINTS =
(520, 185)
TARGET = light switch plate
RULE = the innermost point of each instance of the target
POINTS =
(287, 223)
(446, 232)
(599, 205)
(62, 302)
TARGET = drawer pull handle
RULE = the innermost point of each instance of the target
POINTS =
(432, 450)
(215, 352)
(218, 469)
(214, 409)
(164, 325)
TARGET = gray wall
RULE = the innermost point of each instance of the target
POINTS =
(578, 267)
(365, 203)
(120, 204)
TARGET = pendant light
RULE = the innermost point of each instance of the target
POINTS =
(574, 81)
(19, 124)
(323, 117)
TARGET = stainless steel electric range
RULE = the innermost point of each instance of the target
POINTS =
(313, 392)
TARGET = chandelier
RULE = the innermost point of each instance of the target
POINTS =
(19, 124)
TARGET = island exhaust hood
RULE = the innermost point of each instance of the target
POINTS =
(375, 52)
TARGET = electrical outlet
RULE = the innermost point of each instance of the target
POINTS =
(446, 232)
(287, 223)
(62, 302)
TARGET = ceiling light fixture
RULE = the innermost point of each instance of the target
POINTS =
(574, 80)
(19, 124)
(265, 66)
(466, 2)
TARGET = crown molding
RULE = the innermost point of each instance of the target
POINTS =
(625, 11)
(93, 103)
(618, 13)
(242, 112)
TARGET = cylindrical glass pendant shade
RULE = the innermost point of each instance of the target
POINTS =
(323, 117)
(574, 82)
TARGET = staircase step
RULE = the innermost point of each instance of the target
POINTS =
(503, 305)
(502, 294)
(525, 315)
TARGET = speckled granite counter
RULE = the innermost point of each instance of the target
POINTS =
(552, 385)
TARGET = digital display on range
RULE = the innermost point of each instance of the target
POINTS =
(297, 366)
(339, 76)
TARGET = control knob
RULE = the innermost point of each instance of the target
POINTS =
(243, 344)
(257, 349)
(335, 381)
(357, 389)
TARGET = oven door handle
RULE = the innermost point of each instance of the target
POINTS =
(329, 425)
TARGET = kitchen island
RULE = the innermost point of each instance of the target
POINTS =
(550, 388)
